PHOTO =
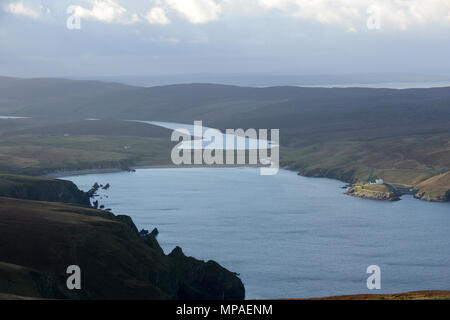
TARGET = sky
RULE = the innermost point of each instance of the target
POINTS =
(87, 38)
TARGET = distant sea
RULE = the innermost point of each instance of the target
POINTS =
(387, 85)
(385, 80)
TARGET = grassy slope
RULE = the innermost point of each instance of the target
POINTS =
(401, 161)
(435, 188)
(40, 146)
(38, 240)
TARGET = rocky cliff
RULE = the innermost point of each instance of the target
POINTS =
(39, 240)
(41, 189)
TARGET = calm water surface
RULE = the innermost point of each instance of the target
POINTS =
(288, 236)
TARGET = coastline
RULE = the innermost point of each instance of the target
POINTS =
(67, 173)
(59, 174)
(412, 295)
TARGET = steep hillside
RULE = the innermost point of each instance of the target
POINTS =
(436, 188)
(39, 240)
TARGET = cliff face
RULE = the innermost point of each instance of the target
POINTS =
(41, 189)
(115, 261)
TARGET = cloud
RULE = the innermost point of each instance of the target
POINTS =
(108, 11)
(353, 14)
(274, 4)
(408, 14)
(157, 15)
(196, 11)
(20, 9)
(345, 13)
(349, 15)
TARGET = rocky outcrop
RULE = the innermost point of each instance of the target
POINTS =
(221, 284)
(374, 192)
(115, 260)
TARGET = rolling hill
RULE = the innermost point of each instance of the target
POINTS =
(352, 134)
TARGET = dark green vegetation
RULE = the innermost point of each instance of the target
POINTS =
(351, 134)
(41, 189)
(39, 240)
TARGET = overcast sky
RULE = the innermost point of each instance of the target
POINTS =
(160, 37)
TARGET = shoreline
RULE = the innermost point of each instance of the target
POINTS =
(67, 173)
(60, 174)
(410, 295)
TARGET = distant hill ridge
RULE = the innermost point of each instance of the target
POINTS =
(219, 104)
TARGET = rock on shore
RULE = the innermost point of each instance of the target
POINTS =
(382, 192)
